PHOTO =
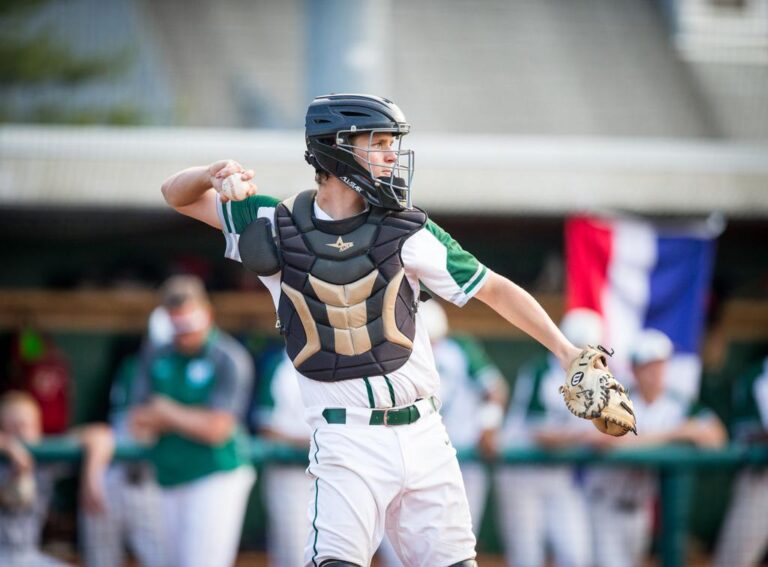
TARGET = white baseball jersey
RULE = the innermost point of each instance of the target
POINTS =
(466, 378)
(430, 257)
(367, 478)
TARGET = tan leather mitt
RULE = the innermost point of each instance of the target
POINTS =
(591, 392)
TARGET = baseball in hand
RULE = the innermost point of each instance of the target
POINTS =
(234, 188)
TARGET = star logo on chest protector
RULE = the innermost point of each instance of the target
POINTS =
(341, 245)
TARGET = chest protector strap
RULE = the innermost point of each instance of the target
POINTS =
(346, 309)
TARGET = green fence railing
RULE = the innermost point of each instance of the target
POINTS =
(674, 463)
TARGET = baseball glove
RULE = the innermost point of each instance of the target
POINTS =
(591, 392)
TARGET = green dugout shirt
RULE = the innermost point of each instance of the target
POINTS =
(219, 377)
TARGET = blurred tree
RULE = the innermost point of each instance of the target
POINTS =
(32, 60)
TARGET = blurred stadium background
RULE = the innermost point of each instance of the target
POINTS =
(525, 112)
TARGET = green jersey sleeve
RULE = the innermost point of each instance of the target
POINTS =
(442, 265)
(236, 215)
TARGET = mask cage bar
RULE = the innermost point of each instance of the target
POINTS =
(397, 186)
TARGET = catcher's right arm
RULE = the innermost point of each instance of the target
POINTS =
(591, 392)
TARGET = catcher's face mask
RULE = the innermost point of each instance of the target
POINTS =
(335, 125)
(388, 166)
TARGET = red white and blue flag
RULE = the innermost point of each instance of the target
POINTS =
(639, 274)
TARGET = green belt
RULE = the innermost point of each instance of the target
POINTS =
(398, 416)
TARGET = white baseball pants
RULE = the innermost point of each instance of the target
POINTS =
(204, 518)
(404, 477)
(744, 537)
(134, 517)
(286, 492)
(539, 506)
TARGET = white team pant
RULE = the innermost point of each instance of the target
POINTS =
(744, 536)
(476, 484)
(475, 476)
(204, 518)
(404, 477)
(621, 537)
(286, 493)
(134, 517)
(541, 505)
(29, 558)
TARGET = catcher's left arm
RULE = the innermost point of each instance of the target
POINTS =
(590, 389)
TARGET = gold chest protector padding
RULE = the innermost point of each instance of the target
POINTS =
(347, 314)
(307, 321)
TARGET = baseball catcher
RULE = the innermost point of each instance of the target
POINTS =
(591, 392)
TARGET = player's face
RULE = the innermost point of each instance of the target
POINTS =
(191, 323)
(650, 376)
(21, 421)
(377, 152)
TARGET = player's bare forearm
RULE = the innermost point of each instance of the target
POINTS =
(191, 192)
(498, 394)
(557, 438)
(212, 427)
(702, 432)
(98, 444)
(194, 191)
(520, 308)
(187, 186)
(274, 435)
(19, 456)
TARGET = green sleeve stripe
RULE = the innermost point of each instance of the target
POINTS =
(476, 279)
(371, 400)
(391, 390)
(228, 223)
(462, 266)
(245, 212)
(317, 490)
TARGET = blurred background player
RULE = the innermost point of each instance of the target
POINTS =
(744, 537)
(286, 487)
(124, 508)
(543, 506)
(194, 393)
(623, 498)
(474, 395)
(26, 487)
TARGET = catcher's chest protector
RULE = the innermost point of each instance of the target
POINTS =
(346, 309)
